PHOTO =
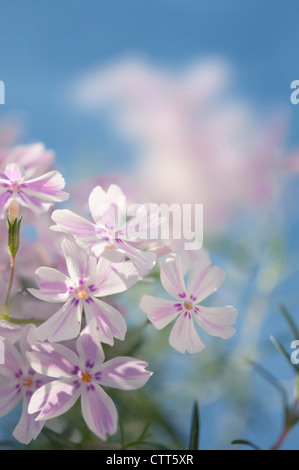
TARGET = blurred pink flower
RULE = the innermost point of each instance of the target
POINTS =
(195, 143)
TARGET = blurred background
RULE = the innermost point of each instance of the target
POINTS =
(179, 102)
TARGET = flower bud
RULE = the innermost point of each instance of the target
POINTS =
(13, 210)
(13, 234)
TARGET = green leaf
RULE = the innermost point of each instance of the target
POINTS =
(273, 381)
(246, 443)
(58, 439)
(195, 427)
(290, 321)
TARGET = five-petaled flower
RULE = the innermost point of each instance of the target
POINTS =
(18, 381)
(203, 281)
(83, 375)
(88, 279)
(37, 194)
(111, 233)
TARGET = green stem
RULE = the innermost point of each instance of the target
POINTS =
(11, 278)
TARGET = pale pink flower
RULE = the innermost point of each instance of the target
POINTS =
(37, 194)
(88, 279)
(203, 280)
(109, 233)
(83, 375)
(196, 141)
(18, 381)
(35, 159)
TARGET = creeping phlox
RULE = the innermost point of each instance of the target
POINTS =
(49, 365)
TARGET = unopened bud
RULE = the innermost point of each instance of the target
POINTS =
(13, 235)
(13, 210)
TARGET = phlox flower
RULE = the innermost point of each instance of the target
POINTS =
(203, 280)
(88, 279)
(18, 381)
(110, 233)
(83, 374)
(37, 194)
(35, 159)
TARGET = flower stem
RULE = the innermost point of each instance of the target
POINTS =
(281, 439)
(11, 278)
(287, 428)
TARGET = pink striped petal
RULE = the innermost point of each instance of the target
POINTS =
(68, 221)
(53, 285)
(184, 337)
(13, 361)
(79, 264)
(54, 360)
(10, 396)
(160, 312)
(14, 172)
(105, 322)
(88, 350)
(54, 399)
(172, 277)
(63, 325)
(27, 428)
(143, 260)
(204, 282)
(46, 188)
(216, 321)
(31, 202)
(4, 202)
(99, 411)
(113, 278)
(124, 373)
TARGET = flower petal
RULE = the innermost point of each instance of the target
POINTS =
(112, 278)
(184, 337)
(105, 322)
(54, 398)
(216, 321)
(13, 361)
(4, 201)
(46, 188)
(107, 209)
(53, 285)
(143, 260)
(99, 411)
(124, 373)
(64, 324)
(172, 277)
(27, 428)
(160, 312)
(72, 223)
(80, 265)
(10, 395)
(204, 280)
(88, 350)
(53, 360)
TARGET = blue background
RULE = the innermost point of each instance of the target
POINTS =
(45, 45)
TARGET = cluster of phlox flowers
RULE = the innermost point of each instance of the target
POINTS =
(48, 365)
